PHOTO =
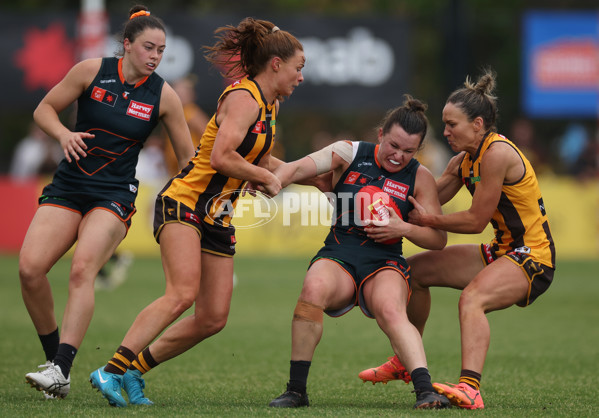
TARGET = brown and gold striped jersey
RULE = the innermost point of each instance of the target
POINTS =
(203, 189)
(520, 220)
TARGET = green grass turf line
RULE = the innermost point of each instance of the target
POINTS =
(542, 360)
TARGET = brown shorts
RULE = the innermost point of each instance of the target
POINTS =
(215, 239)
(539, 276)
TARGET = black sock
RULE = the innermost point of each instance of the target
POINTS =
(50, 344)
(421, 379)
(64, 358)
(298, 375)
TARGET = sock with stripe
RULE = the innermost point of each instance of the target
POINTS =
(144, 362)
(120, 361)
(471, 378)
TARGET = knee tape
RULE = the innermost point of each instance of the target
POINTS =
(306, 311)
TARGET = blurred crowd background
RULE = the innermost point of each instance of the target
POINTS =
(362, 56)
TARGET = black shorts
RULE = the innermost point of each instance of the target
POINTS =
(360, 266)
(83, 206)
(215, 239)
(539, 276)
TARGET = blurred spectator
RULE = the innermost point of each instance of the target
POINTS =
(587, 165)
(324, 138)
(196, 118)
(320, 140)
(36, 154)
(114, 272)
(522, 133)
(152, 173)
(578, 152)
(434, 154)
(597, 154)
(151, 167)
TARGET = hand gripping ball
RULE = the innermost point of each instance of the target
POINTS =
(373, 203)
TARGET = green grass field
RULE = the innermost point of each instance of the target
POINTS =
(542, 360)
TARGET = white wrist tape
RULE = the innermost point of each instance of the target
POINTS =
(324, 157)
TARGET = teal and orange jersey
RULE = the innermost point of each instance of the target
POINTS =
(121, 116)
(365, 170)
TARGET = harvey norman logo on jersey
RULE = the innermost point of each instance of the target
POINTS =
(140, 110)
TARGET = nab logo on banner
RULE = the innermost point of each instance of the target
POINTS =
(104, 96)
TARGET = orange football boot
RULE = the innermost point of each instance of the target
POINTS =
(461, 395)
(391, 370)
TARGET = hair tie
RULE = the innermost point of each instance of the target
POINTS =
(274, 29)
(140, 13)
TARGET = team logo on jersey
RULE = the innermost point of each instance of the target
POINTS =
(402, 269)
(260, 127)
(470, 181)
(118, 208)
(359, 179)
(140, 110)
(104, 96)
(488, 253)
(396, 189)
(125, 95)
(542, 207)
(522, 250)
(191, 217)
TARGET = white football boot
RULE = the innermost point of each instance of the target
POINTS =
(51, 381)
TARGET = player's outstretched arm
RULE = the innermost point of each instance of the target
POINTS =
(333, 158)
(296, 171)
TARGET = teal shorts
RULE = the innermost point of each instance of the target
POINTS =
(361, 265)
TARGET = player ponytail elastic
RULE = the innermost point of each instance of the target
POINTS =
(133, 26)
(246, 48)
(476, 99)
(409, 116)
(140, 13)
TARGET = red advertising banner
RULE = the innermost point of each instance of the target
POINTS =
(17, 210)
